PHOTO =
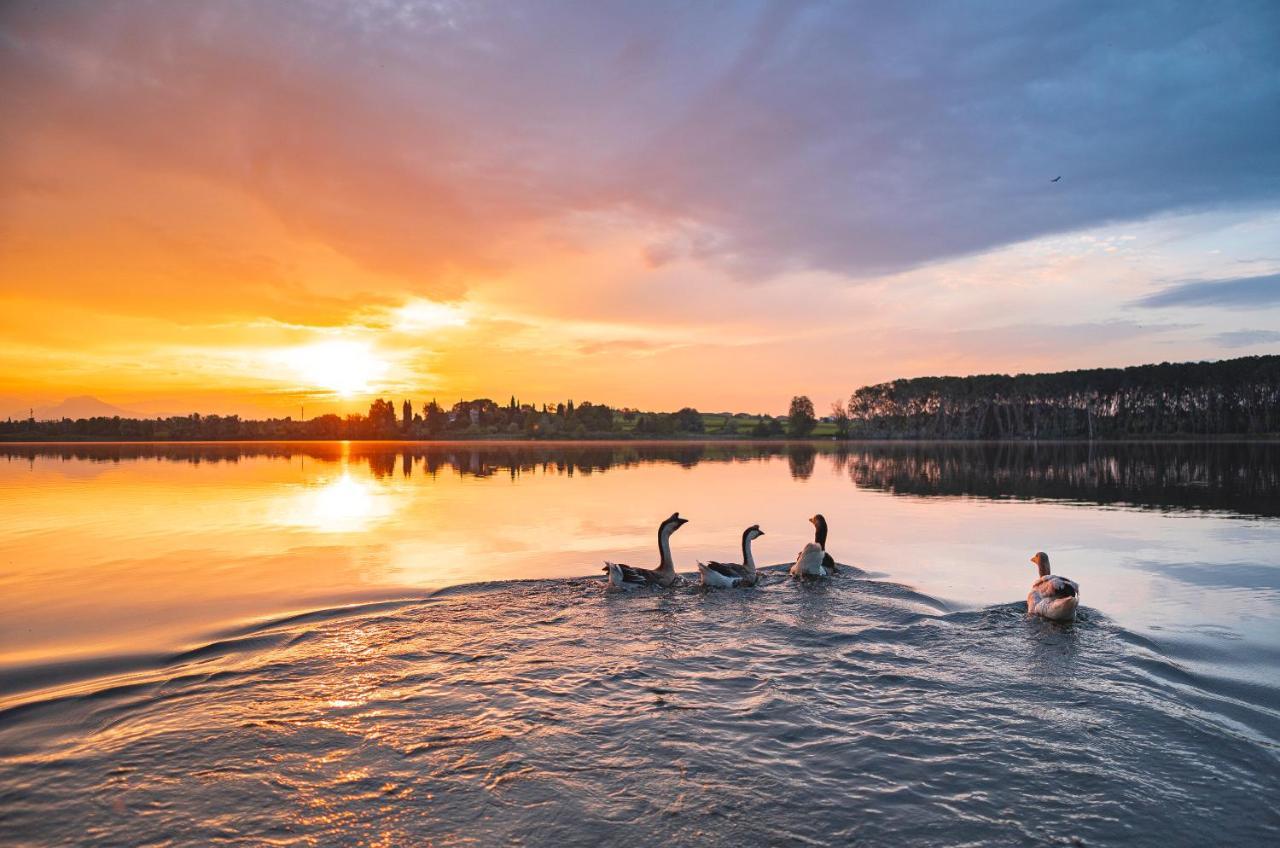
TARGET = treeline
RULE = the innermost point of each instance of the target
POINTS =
(479, 418)
(1231, 397)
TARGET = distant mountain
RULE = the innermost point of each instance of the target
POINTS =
(84, 406)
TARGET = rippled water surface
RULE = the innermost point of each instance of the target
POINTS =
(368, 644)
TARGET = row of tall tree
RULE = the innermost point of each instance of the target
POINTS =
(1231, 397)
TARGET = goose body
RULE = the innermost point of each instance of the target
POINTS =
(627, 577)
(730, 575)
(1051, 596)
(809, 562)
(813, 560)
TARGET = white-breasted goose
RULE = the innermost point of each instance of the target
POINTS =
(729, 575)
(814, 561)
(628, 577)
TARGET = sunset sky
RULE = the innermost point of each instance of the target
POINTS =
(243, 207)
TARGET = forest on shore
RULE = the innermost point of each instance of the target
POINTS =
(1235, 397)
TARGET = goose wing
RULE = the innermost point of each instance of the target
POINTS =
(829, 563)
(728, 569)
(1054, 586)
(633, 576)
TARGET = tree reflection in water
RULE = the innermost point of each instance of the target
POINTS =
(1241, 477)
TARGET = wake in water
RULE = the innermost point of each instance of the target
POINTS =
(550, 712)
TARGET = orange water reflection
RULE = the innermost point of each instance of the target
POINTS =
(113, 549)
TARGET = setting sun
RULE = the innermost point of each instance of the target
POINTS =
(345, 368)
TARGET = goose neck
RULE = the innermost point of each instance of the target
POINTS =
(665, 563)
(748, 561)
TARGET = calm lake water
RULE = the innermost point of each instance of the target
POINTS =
(345, 644)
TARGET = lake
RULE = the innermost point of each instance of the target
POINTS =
(382, 643)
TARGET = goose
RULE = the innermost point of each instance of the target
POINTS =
(814, 561)
(1051, 596)
(626, 577)
(729, 575)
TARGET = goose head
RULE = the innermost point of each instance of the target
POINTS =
(820, 530)
(1041, 559)
(672, 524)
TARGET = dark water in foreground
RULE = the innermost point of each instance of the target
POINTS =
(548, 712)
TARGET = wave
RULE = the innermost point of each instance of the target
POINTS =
(846, 710)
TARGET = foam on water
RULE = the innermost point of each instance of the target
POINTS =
(552, 712)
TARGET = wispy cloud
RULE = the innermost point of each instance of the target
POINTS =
(854, 141)
(1237, 293)
(1247, 338)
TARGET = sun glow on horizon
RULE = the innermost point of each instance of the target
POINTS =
(344, 367)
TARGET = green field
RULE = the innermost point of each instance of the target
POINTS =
(714, 425)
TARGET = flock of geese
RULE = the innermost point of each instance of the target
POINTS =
(1051, 596)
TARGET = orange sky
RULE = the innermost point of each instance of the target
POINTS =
(231, 208)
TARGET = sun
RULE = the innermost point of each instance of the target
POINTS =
(344, 368)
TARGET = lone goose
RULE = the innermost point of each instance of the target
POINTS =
(1051, 596)
(729, 575)
(626, 577)
(814, 561)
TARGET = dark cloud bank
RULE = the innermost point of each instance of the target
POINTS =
(855, 138)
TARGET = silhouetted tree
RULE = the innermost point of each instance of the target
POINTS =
(689, 420)
(382, 419)
(434, 419)
(840, 417)
(801, 420)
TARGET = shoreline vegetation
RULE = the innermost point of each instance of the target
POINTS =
(1229, 399)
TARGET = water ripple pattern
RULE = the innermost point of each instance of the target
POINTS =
(554, 713)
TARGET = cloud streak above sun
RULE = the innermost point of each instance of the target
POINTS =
(589, 199)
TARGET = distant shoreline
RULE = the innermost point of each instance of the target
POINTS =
(617, 440)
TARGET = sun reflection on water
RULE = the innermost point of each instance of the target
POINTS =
(341, 504)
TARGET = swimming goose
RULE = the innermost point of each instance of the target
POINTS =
(814, 561)
(1051, 596)
(626, 577)
(729, 575)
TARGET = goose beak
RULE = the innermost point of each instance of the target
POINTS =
(814, 521)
